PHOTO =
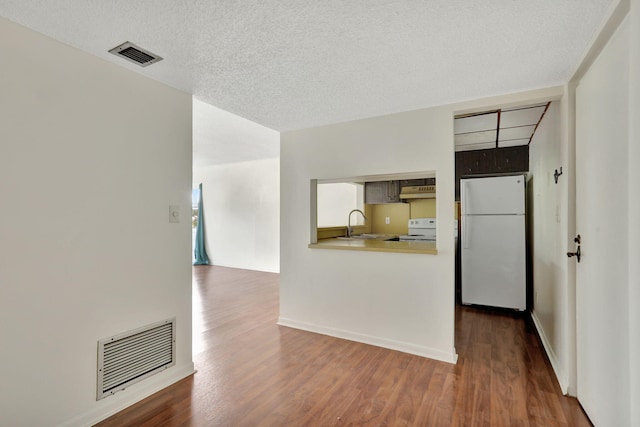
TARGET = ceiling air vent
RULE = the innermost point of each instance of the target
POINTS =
(133, 53)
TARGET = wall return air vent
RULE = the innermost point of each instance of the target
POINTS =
(135, 54)
(127, 358)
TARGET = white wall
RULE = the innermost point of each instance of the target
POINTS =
(552, 293)
(634, 211)
(241, 203)
(402, 301)
(568, 117)
(91, 156)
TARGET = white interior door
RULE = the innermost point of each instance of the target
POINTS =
(601, 220)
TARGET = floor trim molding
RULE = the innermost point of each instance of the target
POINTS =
(564, 382)
(404, 347)
(116, 403)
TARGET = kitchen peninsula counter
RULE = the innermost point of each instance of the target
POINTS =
(374, 245)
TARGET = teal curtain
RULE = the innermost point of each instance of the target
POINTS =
(199, 251)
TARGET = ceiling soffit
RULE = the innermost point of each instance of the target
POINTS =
(499, 128)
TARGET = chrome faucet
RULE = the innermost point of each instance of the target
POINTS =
(349, 220)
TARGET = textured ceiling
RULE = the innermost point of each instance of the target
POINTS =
(295, 64)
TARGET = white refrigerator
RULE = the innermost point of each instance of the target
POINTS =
(493, 241)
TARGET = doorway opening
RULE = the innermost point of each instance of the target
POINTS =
(489, 143)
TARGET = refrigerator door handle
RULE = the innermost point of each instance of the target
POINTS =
(465, 235)
(465, 200)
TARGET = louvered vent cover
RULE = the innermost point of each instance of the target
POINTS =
(132, 356)
(135, 54)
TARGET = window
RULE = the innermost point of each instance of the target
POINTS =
(195, 198)
(336, 200)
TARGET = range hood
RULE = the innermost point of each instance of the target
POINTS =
(418, 192)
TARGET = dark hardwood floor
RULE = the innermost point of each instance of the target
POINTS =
(252, 372)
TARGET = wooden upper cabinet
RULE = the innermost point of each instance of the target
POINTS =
(381, 192)
(389, 191)
(492, 161)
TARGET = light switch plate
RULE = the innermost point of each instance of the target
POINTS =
(174, 213)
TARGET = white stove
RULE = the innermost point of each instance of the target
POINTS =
(420, 230)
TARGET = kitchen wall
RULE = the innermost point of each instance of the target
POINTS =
(634, 211)
(399, 215)
(91, 157)
(401, 301)
(548, 221)
(241, 203)
(424, 208)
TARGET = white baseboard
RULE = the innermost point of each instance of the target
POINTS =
(431, 353)
(113, 404)
(562, 379)
(248, 267)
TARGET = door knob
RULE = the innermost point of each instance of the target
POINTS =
(575, 254)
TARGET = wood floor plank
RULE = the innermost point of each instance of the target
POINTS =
(252, 372)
